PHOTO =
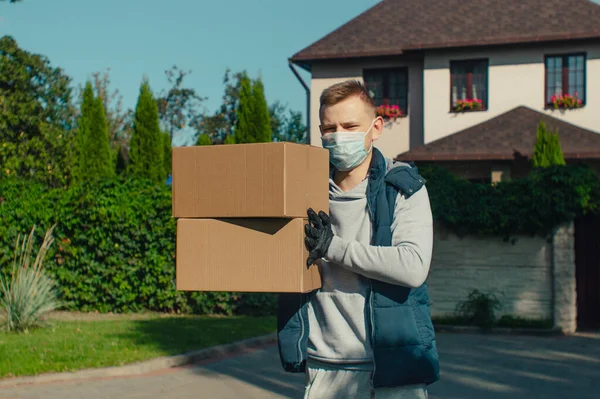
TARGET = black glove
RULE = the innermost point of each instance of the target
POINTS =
(318, 235)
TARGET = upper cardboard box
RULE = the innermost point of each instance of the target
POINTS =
(250, 180)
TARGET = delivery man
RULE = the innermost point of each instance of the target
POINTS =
(367, 332)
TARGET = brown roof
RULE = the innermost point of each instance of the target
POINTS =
(506, 135)
(395, 26)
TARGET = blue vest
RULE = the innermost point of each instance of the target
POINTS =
(399, 320)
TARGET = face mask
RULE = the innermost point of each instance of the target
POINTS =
(346, 149)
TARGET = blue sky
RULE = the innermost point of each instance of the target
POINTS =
(144, 37)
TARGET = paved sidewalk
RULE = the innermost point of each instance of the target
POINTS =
(473, 367)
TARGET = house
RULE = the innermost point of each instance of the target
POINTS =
(472, 79)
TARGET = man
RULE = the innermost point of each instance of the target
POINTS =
(367, 332)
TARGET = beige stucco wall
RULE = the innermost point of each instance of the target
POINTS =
(516, 77)
(395, 138)
(520, 274)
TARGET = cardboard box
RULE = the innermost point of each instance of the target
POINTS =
(244, 255)
(280, 180)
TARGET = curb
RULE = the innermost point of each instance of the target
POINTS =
(543, 332)
(212, 353)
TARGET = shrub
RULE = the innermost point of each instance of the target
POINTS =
(533, 205)
(479, 309)
(29, 292)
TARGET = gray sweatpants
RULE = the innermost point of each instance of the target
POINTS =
(324, 382)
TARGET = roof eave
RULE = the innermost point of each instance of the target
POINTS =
(454, 157)
(299, 58)
(308, 59)
(505, 41)
(302, 64)
(446, 157)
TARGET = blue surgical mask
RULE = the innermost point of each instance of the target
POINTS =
(346, 149)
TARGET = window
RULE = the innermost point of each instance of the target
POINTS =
(388, 87)
(565, 74)
(468, 82)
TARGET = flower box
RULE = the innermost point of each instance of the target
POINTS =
(468, 104)
(389, 111)
(566, 101)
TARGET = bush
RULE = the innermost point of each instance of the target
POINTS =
(479, 309)
(116, 247)
(534, 205)
(28, 292)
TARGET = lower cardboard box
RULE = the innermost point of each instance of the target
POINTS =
(244, 255)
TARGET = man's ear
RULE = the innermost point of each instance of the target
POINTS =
(377, 128)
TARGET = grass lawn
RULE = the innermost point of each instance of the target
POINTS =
(74, 345)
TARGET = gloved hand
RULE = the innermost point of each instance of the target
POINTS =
(318, 235)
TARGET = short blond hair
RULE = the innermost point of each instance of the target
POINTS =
(341, 91)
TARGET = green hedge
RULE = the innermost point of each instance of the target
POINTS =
(533, 205)
(115, 240)
(114, 249)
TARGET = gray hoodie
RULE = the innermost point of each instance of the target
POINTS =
(338, 328)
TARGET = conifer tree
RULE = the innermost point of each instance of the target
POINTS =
(146, 145)
(261, 117)
(547, 150)
(555, 154)
(244, 119)
(540, 160)
(95, 159)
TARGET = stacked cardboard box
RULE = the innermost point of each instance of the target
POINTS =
(241, 212)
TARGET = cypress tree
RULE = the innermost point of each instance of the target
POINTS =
(95, 156)
(146, 145)
(547, 150)
(540, 151)
(244, 119)
(86, 112)
(261, 116)
(204, 139)
(100, 154)
(230, 139)
(556, 155)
